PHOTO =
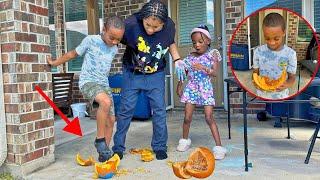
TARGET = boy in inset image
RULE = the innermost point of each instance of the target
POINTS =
(274, 57)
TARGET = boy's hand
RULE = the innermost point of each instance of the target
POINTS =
(50, 61)
(285, 85)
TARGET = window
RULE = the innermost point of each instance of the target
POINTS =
(304, 32)
(52, 34)
(193, 14)
(254, 5)
(76, 24)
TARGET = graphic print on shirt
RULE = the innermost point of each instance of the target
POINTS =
(149, 65)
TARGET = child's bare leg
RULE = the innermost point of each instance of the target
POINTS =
(109, 128)
(208, 111)
(104, 102)
(187, 120)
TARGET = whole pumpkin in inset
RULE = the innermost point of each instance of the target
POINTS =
(267, 84)
(200, 164)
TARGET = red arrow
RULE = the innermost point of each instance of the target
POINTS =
(73, 126)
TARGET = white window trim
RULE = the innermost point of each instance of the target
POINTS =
(308, 11)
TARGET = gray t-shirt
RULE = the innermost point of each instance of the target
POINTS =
(97, 61)
(271, 63)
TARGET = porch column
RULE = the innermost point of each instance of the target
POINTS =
(24, 40)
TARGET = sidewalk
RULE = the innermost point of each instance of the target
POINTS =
(271, 154)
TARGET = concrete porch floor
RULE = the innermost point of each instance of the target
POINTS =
(272, 155)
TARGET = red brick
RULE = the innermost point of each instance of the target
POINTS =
(27, 58)
(41, 68)
(30, 117)
(10, 158)
(32, 156)
(40, 105)
(26, 37)
(38, 29)
(11, 108)
(10, 88)
(6, 5)
(34, 135)
(11, 47)
(27, 77)
(40, 48)
(43, 124)
(38, 10)
(41, 143)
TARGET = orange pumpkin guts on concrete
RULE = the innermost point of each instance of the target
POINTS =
(267, 84)
(200, 164)
(84, 162)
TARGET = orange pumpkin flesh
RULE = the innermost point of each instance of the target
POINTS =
(180, 171)
(201, 163)
(84, 162)
(268, 84)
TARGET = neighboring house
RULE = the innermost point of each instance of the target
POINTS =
(25, 44)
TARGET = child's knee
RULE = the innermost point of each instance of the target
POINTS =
(110, 121)
(187, 120)
(105, 104)
(210, 120)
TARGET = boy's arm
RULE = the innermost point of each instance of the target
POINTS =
(66, 57)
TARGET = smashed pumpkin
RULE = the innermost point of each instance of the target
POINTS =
(200, 164)
(147, 156)
(267, 84)
(107, 169)
(180, 171)
(84, 162)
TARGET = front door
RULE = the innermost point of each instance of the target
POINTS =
(189, 14)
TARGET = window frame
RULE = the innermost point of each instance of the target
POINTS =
(65, 34)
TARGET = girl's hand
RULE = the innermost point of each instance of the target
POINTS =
(180, 67)
(199, 67)
(179, 90)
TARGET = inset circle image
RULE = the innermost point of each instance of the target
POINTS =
(274, 54)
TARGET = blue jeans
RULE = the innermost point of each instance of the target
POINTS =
(153, 86)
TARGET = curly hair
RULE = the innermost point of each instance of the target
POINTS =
(154, 8)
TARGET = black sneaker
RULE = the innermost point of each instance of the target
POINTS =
(120, 154)
(161, 154)
(103, 150)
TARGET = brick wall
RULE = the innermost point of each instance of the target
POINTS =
(300, 48)
(24, 47)
(234, 15)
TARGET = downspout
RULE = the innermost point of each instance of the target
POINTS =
(3, 137)
(224, 54)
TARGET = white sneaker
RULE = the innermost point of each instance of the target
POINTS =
(219, 152)
(184, 144)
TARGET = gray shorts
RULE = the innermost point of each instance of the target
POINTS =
(91, 90)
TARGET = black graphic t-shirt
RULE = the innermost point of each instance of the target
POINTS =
(146, 52)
